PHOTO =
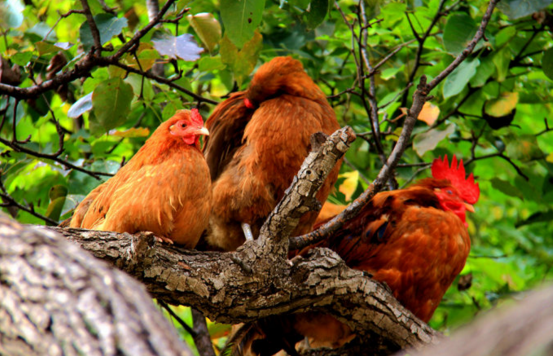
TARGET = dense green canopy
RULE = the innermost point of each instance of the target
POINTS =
(61, 138)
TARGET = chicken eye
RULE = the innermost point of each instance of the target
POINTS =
(183, 125)
(449, 192)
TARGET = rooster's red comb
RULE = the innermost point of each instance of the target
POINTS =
(468, 190)
(196, 118)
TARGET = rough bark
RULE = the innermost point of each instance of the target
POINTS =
(56, 299)
(227, 291)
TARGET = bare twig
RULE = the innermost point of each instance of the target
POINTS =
(202, 338)
(174, 315)
(169, 82)
(66, 164)
(97, 48)
(10, 201)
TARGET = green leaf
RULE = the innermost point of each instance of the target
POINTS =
(208, 64)
(139, 84)
(524, 148)
(316, 13)
(393, 12)
(427, 141)
(504, 36)
(247, 58)
(241, 62)
(546, 216)
(108, 26)
(502, 59)
(484, 71)
(183, 46)
(41, 30)
(170, 108)
(506, 188)
(302, 4)
(57, 196)
(547, 63)
(390, 72)
(44, 47)
(111, 102)
(147, 56)
(208, 28)
(503, 105)
(456, 81)
(22, 58)
(228, 51)
(516, 9)
(458, 32)
(241, 18)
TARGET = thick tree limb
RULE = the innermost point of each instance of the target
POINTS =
(226, 292)
(57, 299)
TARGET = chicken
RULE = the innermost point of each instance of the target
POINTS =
(259, 139)
(415, 240)
(165, 188)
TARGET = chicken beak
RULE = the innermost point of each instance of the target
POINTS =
(469, 207)
(203, 131)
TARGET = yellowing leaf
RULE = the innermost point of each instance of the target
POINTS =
(147, 56)
(349, 185)
(549, 158)
(503, 105)
(116, 72)
(394, 135)
(241, 62)
(207, 27)
(133, 132)
(429, 113)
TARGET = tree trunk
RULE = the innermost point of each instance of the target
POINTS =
(56, 299)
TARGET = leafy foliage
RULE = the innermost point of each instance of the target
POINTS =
(492, 111)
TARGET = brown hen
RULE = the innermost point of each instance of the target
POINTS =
(165, 188)
(415, 240)
(259, 139)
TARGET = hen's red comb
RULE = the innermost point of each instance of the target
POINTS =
(196, 118)
(468, 190)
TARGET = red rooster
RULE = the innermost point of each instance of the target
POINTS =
(259, 139)
(415, 240)
(165, 188)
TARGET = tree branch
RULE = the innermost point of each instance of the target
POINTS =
(84, 67)
(215, 284)
(97, 48)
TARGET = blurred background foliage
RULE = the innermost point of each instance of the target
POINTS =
(493, 111)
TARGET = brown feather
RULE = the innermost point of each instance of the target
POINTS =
(254, 154)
